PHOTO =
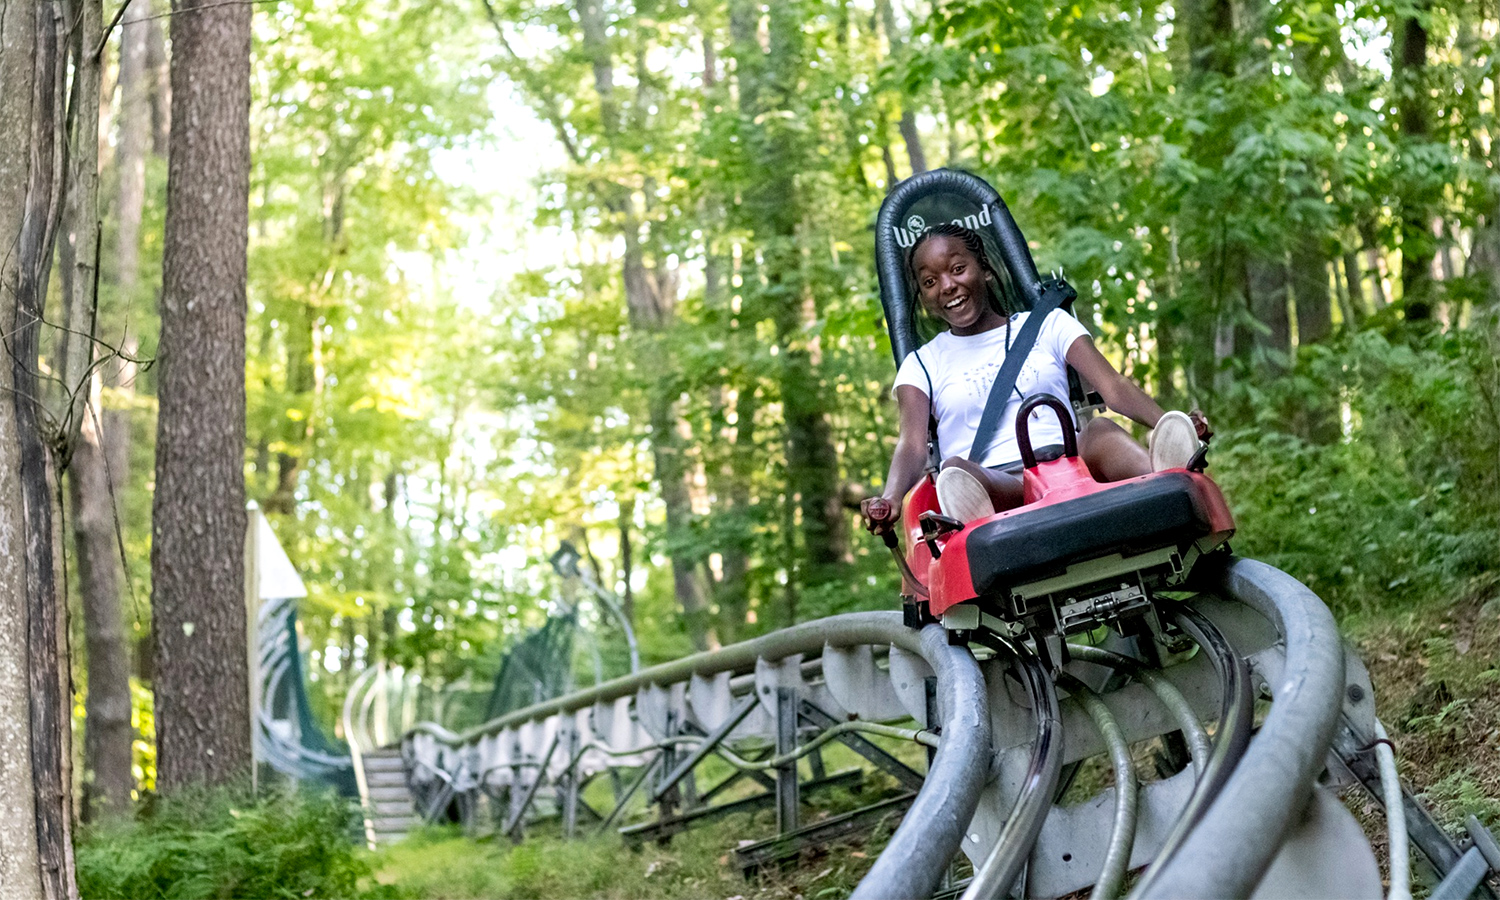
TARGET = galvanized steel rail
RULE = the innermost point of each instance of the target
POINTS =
(990, 787)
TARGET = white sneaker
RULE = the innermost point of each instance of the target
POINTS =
(962, 497)
(1173, 442)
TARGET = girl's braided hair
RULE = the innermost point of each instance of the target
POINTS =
(974, 244)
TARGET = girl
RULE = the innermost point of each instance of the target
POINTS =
(950, 378)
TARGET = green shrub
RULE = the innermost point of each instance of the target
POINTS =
(1369, 472)
(221, 845)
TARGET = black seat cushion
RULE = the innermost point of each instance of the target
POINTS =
(1168, 509)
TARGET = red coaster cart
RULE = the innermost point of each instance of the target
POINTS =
(1078, 553)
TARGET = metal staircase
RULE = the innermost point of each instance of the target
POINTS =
(387, 804)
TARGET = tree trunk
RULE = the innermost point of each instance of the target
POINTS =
(1266, 284)
(135, 140)
(650, 299)
(1311, 294)
(198, 512)
(1417, 242)
(107, 778)
(768, 83)
(159, 76)
(107, 733)
(908, 122)
(34, 689)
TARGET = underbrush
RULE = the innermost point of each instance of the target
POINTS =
(1371, 472)
(1436, 672)
(220, 844)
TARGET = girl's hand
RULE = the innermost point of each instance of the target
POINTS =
(1200, 422)
(879, 515)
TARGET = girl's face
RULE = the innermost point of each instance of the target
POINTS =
(952, 286)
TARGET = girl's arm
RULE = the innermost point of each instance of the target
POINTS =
(907, 463)
(1120, 393)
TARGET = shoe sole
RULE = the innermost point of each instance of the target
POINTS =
(1174, 441)
(962, 496)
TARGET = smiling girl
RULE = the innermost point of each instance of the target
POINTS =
(949, 378)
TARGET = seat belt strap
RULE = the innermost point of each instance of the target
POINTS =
(1056, 294)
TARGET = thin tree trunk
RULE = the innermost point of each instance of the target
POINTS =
(1417, 244)
(1267, 287)
(908, 121)
(627, 558)
(198, 511)
(32, 164)
(107, 733)
(159, 74)
(1311, 294)
(650, 298)
(135, 137)
(107, 738)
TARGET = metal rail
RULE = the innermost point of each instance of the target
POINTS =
(1000, 868)
(1231, 847)
(1211, 832)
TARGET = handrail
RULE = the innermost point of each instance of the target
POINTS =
(931, 833)
(849, 629)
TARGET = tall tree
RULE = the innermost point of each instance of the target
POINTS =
(107, 776)
(198, 512)
(36, 851)
(1418, 247)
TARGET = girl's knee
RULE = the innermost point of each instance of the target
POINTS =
(958, 461)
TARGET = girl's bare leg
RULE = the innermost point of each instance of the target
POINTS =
(1111, 453)
(1005, 490)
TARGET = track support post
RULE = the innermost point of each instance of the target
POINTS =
(788, 794)
(571, 786)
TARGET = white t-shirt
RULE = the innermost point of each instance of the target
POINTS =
(963, 368)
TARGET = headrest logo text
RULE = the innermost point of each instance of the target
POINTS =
(915, 225)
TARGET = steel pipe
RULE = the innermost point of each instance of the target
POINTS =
(913, 863)
(1229, 850)
(1395, 817)
(1122, 833)
(999, 870)
(1236, 710)
(931, 833)
(847, 630)
(1177, 705)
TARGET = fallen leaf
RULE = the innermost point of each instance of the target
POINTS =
(858, 854)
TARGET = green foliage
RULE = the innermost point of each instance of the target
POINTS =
(1401, 500)
(441, 863)
(221, 845)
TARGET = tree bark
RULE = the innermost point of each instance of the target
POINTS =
(908, 121)
(1417, 242)
(108, 779)
(32, 87)
(198, 511)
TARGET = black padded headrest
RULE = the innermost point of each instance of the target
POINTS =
(944, 195)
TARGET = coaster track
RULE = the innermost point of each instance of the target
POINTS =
(1249, 816)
